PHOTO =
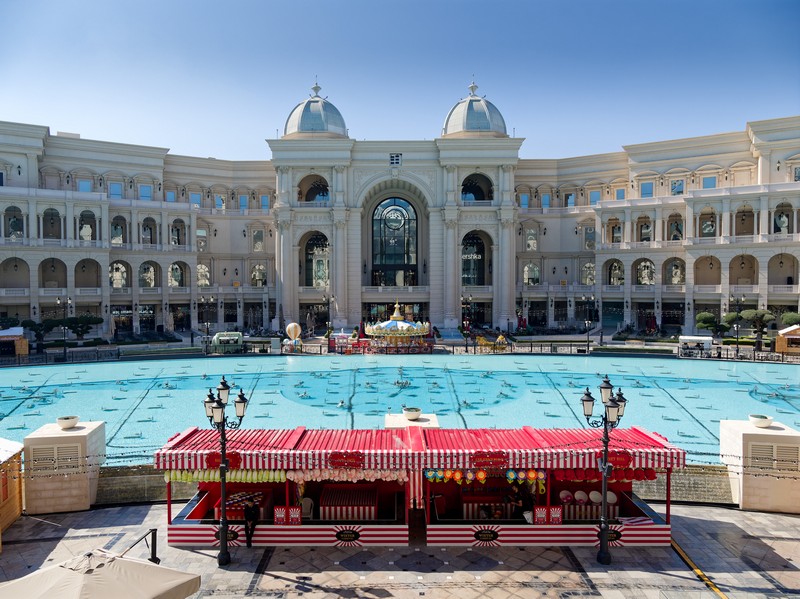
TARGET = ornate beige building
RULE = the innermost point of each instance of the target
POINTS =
(455, 229)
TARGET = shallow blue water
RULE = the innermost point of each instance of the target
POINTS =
(145, 403)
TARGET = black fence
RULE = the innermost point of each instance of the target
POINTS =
(58, 357)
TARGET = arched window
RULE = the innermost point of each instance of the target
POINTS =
(317, 261)
(118, 275)
(675, 272)
(645, 273)
(616, 273)
(175, 277)
(394, 243)
(147, 275)
(473, 260)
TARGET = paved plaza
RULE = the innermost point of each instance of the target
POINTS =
(745, 554)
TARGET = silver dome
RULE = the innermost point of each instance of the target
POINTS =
(474, 116)
(315, 117)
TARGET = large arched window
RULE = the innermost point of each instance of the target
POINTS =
(317, 261)
(473, 260)
(394, 243)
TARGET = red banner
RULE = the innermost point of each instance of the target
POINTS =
(618, 459)
(489, 459)
(213, 460)
(346, 459)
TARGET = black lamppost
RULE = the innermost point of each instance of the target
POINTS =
(204, 306)
(466, 305)
(736, 304)
(328, 299)
(614, 409)
(65, 305)
(588, 306)
(215, 410)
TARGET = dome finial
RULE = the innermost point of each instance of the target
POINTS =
(316, 88)
(472, 88)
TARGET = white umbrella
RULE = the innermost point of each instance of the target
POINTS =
(99, 574)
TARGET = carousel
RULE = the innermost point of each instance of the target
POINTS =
(398, 335)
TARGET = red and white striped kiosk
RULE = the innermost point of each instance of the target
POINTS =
(358, 487)
(559, 470)
(318, 487)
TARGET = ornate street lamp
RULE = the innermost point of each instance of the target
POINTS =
(215, 410)
(614, 409)
(65, 305)
(466, 306)
(736, 304)
(328, 298)
(204, 305)
(588, 309)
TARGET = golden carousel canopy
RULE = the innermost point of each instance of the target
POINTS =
(396, 326)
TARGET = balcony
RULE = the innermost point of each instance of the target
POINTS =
(707, 288)
(150, 291)
(613, 288)
(643, 288)
(124, 291)
(744, 289)
(673, 289)
(705, 240)
(788, 289)
(52, 291)
(14, 292)
(88, 291)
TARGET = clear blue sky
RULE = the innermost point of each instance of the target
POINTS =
(574, 78)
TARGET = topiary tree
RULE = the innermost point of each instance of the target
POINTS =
(7, 322)
(80, 325)
(757, 319)
(790, 318)
(40, 329)
(710, 322)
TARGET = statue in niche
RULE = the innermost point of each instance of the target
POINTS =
(678, 276)
(116, 234)
(86, 232)
(708, 227)
(645, 231)
(675, 231)
(616, 234)
(781, 223)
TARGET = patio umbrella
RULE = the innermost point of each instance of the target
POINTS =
(103, 575)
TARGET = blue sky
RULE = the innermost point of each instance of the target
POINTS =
(573, 77)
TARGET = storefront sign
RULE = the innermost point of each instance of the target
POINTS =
(486, 535)
(619, 459)
(232, 535)
(613, 535)
(213, 460)
(346, 459)
(489, 459)
(347, 536)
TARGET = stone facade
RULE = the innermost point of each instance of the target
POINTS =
(647, 236)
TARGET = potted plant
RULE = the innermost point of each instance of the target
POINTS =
(412, 413)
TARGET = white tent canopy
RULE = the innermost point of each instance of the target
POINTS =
(99, 574)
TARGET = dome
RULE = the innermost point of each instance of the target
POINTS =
(315, 117)
(474, 116)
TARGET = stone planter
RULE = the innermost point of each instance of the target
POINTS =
(66, 422)
(412, 413)
(760, 420)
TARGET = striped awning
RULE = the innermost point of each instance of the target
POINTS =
(413, 449)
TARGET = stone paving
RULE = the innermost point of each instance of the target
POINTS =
(746, 554)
